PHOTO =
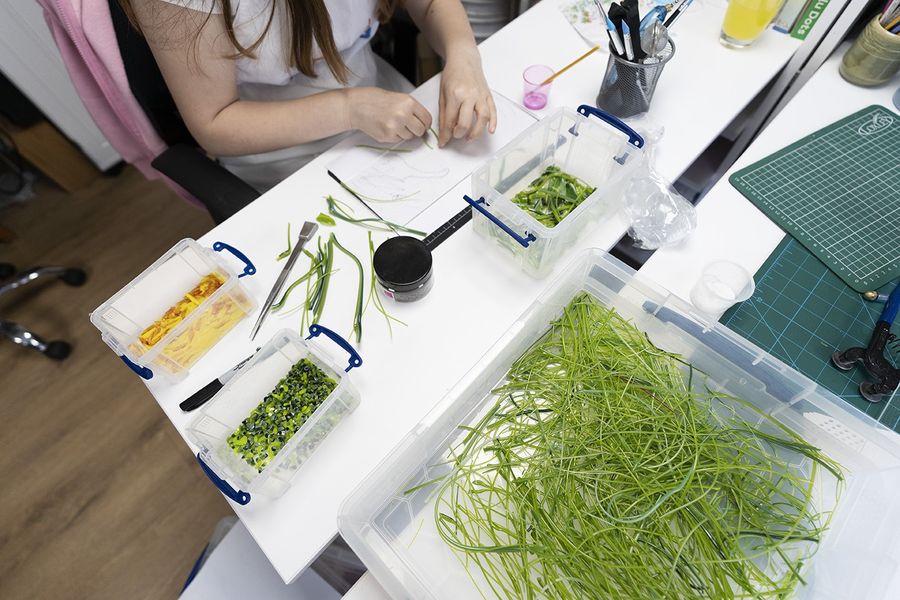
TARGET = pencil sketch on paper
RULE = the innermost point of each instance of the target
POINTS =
(400, 181)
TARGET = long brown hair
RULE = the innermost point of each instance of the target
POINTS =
(308, 20)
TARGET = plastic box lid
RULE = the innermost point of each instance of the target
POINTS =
(222, 415)
(393, 532)
(145, 299)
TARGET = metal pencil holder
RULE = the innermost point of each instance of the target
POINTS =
(628, 86)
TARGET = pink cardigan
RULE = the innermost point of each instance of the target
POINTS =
(84, 33)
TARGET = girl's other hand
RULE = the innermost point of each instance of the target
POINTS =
(466, 105)
(387, 117)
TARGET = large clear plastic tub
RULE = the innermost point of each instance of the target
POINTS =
(603, 155)
(148, 298)
(222, 415)
(394, 534)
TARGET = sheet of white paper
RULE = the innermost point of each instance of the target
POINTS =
(399, 182)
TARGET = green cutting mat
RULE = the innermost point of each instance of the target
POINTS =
(801, 312)
(838, 192)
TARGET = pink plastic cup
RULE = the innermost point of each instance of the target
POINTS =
(535, 95)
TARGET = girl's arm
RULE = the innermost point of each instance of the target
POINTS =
(466, 104)
(203, 83)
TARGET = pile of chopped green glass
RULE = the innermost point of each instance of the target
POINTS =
(281, 413)
(552, 196)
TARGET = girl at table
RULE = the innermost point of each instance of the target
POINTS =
(266, 85)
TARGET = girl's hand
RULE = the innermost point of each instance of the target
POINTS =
(387, 117)
(466, 106)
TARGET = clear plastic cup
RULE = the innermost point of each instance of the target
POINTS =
(722, 284)
(534, 94)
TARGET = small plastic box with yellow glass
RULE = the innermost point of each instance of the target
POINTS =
(170, 315)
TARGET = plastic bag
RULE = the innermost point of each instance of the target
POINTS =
(659, 215)
(649, 129)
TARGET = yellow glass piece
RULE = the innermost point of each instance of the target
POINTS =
(203, 332)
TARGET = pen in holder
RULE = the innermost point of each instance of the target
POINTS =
(873, 58)
(628, 86)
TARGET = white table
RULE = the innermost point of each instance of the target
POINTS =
(729, 226)
(367, 588)
(477, 293)
(237, 570)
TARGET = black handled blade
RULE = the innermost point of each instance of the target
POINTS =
(201, 396)
(205, 394)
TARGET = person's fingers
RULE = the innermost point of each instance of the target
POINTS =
(415, 125)
(405, 133)
(483, 113)
(492, 122)
(387, 136)
(421, 113)
(415, 128)
(464, 119)
(446, 119)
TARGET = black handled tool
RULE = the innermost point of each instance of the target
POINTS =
(876, 364)
(205, 394)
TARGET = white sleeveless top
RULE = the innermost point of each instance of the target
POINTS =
(269, 76)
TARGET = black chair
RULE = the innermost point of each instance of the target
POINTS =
(184, 162)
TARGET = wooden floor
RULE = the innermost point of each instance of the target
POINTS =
(99, 497)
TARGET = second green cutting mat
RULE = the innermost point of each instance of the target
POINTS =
(838, 192)
(801, 312)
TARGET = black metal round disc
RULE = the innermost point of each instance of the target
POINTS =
(837, 358)
(402, 261)
(868, 391)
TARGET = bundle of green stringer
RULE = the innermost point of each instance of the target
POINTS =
(605, 470)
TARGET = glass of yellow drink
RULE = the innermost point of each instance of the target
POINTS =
(745, 20)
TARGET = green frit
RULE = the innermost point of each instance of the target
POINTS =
(553, 196)
(281, 414)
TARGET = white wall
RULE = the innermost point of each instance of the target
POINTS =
(30, 59)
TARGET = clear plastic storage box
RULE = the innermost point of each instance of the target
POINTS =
(222, 415)
(159, 324)
(393, 532)
(603, 155)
